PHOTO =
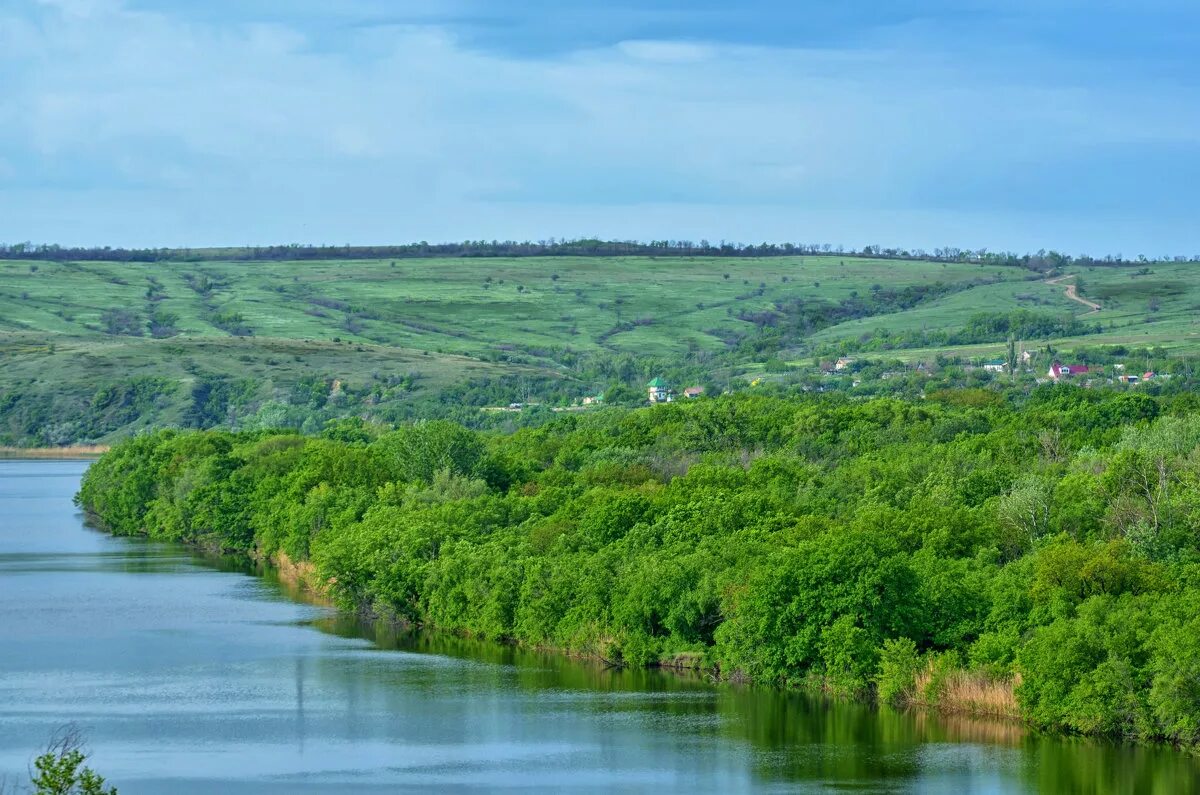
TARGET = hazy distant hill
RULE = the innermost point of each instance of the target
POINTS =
(89, 350)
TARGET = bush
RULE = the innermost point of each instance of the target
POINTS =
(899, 664)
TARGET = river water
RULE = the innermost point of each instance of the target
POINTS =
(192, 677)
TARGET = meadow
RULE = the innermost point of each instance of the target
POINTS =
(220, 339)
(463, 306)
(1155, 305)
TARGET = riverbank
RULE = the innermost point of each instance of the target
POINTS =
(86, 451)
(895, 553)
(934, 689)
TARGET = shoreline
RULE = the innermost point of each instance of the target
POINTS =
(87, 452)
(301, 583)
(298, 582)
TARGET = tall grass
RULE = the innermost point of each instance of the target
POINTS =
(968, 692)
(69, 451)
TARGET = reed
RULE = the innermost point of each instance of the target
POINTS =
(968, 692)
(300, 575)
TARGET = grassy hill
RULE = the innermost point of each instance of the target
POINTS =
(1157, 307)
(467, 306)
(91, 350)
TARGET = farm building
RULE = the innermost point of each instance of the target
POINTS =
(995, 365)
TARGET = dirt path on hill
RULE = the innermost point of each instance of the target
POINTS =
(1072, 294)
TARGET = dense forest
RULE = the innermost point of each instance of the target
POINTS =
(1033, 556)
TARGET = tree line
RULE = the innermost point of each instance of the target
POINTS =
(1042, 261)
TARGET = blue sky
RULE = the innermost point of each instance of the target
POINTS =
(920, 123)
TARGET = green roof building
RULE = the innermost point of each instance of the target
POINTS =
(658, 391)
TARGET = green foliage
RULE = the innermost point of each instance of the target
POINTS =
(416, 453)
(60, 770)
(1022, 324)
(899, 664)
(866, 545)
(826, 603)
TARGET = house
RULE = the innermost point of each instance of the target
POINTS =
(1026, 356)
(843, 363)
(1059, 371)
(995, 365)
(658, 391)
(1148, 375)
(1128, 379)
(693, 392)
(593, 400)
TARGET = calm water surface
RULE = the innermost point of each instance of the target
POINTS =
(190, 678)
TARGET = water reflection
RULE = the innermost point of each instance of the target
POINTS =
(797, 738)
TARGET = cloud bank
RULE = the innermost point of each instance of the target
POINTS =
(150, 125)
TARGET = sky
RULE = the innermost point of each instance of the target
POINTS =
(1003, 124)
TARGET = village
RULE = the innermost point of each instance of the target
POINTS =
(1026, 366)
(853, 373)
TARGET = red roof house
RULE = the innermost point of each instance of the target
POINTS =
(1058, 371)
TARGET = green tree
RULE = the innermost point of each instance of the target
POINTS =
(1025, 510)
(60, 770)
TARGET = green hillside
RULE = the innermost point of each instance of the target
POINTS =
(1154, 305)
(468, 306)
(92, 350)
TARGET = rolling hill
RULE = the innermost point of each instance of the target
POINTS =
(93, 350)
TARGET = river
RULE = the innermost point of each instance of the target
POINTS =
(188, 676)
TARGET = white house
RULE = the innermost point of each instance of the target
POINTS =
(658, 392)
(1060, 371)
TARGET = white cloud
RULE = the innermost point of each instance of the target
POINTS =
(251, 132)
